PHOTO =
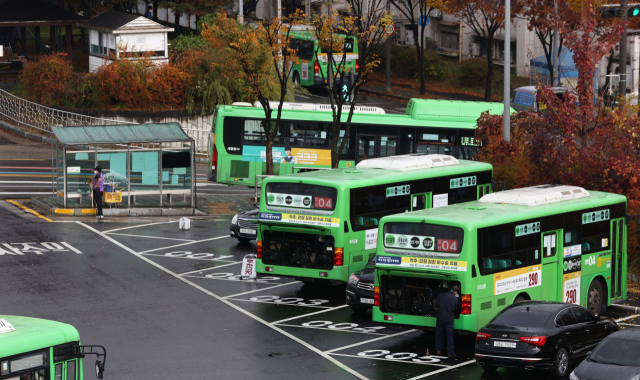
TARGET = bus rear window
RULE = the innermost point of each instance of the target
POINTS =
(423, 237)
(301, 196)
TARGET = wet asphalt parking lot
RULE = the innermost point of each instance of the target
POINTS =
(169, 304)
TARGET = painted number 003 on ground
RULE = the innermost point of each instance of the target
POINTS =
(343, 326)
(288, 300)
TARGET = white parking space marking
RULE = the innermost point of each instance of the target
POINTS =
(369, 341)
(183, 244)
(229, 279)
(627, 318)
(221, 258)
(322, 328)
(259, 290)
(396, 360)
(443, 370)
(279, 304)
(206, 269)
(138, 226)
(307, 315)
(150, 237)
(629, 324)
(228, 303)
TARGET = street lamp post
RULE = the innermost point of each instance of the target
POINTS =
(507, 71)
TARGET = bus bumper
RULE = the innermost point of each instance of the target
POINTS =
(467, 322)
(339, 273)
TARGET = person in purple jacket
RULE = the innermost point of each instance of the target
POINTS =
(97, 186)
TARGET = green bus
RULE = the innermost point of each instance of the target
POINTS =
(324, 225)
(310, 70)
(428, 126)
(498, 250)
(39, 349)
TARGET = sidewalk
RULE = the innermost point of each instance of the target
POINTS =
(148, 205)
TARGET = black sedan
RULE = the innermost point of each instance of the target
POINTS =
(616, 357)
(243, 225)
(540, 335)
(360, 288)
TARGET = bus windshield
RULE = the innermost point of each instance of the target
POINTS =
(423, 237)
(300, 195)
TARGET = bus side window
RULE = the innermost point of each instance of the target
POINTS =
(71, 370)
(58, 371)
(549, 244)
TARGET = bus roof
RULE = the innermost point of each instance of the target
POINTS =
(419, 113)
(356, 177)
(33, 334)
(476, 214)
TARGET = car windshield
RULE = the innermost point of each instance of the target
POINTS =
(614, 351)
(521, 317)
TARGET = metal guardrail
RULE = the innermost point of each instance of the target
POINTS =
(37, 116)
(255, 186)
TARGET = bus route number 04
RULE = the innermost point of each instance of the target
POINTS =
(288, 301)
(323, 203)
(343, 326)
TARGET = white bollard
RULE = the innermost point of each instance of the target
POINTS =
(185, 223)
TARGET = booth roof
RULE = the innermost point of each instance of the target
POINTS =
(121, 134)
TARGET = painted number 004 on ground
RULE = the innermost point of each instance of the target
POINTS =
(342, 326)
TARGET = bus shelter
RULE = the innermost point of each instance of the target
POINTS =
(140, 159)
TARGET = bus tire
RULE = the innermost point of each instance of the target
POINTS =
(595, 297)
(296, 78)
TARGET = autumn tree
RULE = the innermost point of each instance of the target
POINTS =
(485, 18)
(258, 56)
(364, 24)
(414, 10)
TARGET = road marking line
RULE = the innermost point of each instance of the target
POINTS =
(229, 279)
(70, 247)
(392, 360)
(628, 324)
(141, 225)
(29, 210)
(206, 269)
(369, 341)
(228, 303)
(190, 258)
(180, 245)
(629, 317)
(26, 193)
(443, 370)
(281, 304)
(307, 315)
(258, 290)
(324, 328)
(150, 237)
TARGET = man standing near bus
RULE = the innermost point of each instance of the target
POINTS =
(447, 304)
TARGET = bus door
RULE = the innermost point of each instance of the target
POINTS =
(420, 201)
(376, 145)
(617, 249)
(66, 370)
(551, 245)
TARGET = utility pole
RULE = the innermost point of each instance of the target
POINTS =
(240, 12)
(622, 61)
(507, 72)
(388, 89)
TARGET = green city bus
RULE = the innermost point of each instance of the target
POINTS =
(428, 126)
(498, 250)
(39, 349)
(306, 45)
(324, 224)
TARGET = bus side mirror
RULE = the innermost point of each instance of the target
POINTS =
(99, 369)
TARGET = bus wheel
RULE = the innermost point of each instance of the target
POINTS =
(594, 297)
(296, 78)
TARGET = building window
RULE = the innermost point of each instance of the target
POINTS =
(449, 40)
(500, 50)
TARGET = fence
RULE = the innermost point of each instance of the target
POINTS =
(37, 116)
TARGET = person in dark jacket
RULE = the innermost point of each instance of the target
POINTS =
(97, 186)
(448, 304)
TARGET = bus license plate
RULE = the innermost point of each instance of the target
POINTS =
(247, 231)
(366, 300)
(505, 344)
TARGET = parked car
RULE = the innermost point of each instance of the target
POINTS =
(540, 335)
(616, 357)
(243, 225)
(360, 288)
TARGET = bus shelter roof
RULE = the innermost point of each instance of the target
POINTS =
(121, 134)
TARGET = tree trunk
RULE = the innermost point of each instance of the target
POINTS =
(487, 89)
(177, 22)
(269, 155)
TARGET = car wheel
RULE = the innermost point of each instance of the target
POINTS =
(561, 363)
(489, 368)
(519, 299)
(241, 240)
(296, 78)
(358, 309)
(595, 297)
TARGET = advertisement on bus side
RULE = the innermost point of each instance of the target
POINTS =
(517, 279)
(422, 262)
(310, 220)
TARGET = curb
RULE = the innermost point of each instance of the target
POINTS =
(624, 308)
(49, 209)
(365, 91)
(28, 135)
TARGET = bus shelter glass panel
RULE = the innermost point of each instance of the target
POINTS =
(80, 167)
(114, 170)
(144, 171)
(59, 171)
(176, 169)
